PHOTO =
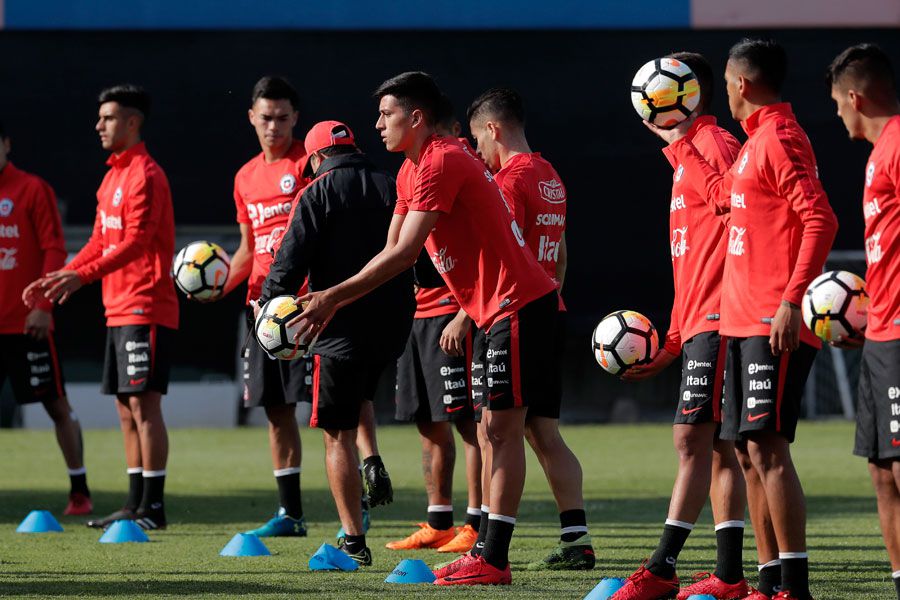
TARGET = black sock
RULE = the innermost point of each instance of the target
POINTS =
(496, 543)
(572, 525)
(289, 494)
(662, 563)
(153, 491)
(795, 576)
(440, 519)
(135, 489)
(896, 579)
(78, 483)
(482, 533)
(729, 552)
(770, 578)
(473, 518)
(355, 543)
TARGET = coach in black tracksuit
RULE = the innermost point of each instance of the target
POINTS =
(339, 223)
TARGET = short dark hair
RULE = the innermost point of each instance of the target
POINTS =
(127, 95)
(414, 90)
(272, 87)
(702, 69)
(446, 115)
(765, 57)
(505, 104)
(867, 65)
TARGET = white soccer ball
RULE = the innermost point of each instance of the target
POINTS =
(200, 269)
(665, 92)
(836, 305)
(272, 331)
(622, 339)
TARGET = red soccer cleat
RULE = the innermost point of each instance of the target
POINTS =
(786, 595)
(478, 572)
(709, 584)
(644, 585)
(755, 594)
(79, 504)
(452, 567)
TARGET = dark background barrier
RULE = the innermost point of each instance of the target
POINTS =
(579, 116)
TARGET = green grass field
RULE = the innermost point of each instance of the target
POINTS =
(220, 483)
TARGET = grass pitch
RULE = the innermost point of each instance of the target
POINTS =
(220, 483)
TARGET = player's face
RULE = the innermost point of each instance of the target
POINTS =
(395, 124)
(732, 86)
(848, 114)
(485, 143)
(114, 125)
(274, 122)
(4, 152)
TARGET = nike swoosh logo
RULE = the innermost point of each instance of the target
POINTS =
(450, 410)
(464, 577)
(493, 396)
(686, 411)
(895, 443)
(752, 418)
(137, 381)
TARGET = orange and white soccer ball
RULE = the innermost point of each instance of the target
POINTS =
(836, 306)
(665, 92)
(623, 339)
(200, 270)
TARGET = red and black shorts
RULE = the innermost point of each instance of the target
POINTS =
(763, 391)
(702, 378)
(432, 386)
(878, 407)
(523, 359)
(32, 367)
(138, 358)
(340, 386)
(271, 382)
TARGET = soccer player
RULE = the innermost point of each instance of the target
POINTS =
(459, 215)
(433, 391)
(130, 250)
(780, 231)
(349, 199)
(264, 190)
(864, 88)
(698, 240)
(537, 198)
(32, 245)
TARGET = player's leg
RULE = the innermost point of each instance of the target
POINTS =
(728, 497)
(379, 489)
(769, 565)
(467, 535)
(885, 475)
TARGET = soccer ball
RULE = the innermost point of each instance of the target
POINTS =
(200, 270)
(622, 339)
(665, 92)
(272, 332)
(835, 306)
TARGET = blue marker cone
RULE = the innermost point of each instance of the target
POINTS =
(245, 544)
(411, 571)
(606, 588)
(701, 597)
(121, 532)
(39, 521)
(329, 558)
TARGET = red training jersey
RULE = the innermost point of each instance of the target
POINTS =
(476, 245)
(263, 195)
(881, 209)
(133, 243)
(31, 242)
(781, 224)
(697, 236)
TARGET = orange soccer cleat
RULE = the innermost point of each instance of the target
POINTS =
(425, 537)
(464, 540)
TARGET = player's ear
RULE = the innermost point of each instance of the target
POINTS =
(294, 116)
(493, 129)
(855, 100)
(250, 116)
(743, 86)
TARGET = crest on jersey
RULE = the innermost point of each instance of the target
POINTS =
(552, 191)
(117, 197)
(287, 184)
(870, 174)
(6, 207)
(743, 164)
(679, 172)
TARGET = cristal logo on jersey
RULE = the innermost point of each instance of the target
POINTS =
(736, 240)
(442, 262)
(870, 173)
(259, 212)
(552, 191)
(874, 253)
(287, 184)
(679, 172)
(743, 163)
(679, 242)
(6, 207)
(117, 197)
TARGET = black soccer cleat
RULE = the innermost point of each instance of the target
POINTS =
(363, 558)
(151, 518)
(378, 484)
(123, 514)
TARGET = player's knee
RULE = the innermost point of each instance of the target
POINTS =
(58, 410)
(883, 477)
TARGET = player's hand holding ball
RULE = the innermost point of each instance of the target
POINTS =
(660, 361)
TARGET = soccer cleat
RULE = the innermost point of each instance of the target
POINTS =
(79, 504)
(644, 585)
(755, 594)
(425, 537)
(152, 518)
(366, 524)
(478, 572)
(124, 514)
(462, 542)
(281, 525)
(363, 558)
(709, 584)
(449, 568)
(577, 555)
(378, 485)
(787, 595)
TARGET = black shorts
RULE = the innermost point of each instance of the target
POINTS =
(878, 406)
(137, 359)
(270, 382)
(432, 386)
(32, 367)
(702, 378)
(477, 379)
(339, 388)
(763, 391)
(523, 359)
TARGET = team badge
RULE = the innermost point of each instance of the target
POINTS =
(117, 197)
(743, 164)
(6, 207)
(287, 183)
(870, 174)
(679, 173)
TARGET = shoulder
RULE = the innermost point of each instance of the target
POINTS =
(715, 142)
(248, 168)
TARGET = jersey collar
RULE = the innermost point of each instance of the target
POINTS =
(765, 114)
(8, 171)
(123, 159)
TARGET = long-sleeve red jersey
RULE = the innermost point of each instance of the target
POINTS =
(133, 242)
(31, 242)
(781, 225)
(697, 235)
